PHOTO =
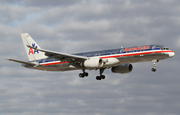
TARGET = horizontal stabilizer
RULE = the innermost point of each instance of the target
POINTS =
(23, 62)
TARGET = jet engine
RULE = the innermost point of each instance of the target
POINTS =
(94, 63)
(123, 68)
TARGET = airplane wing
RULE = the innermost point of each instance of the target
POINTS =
(59, 55)
(23, 62)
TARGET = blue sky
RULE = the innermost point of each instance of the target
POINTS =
(78, 26)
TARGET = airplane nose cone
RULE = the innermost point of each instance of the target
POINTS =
(171, 54)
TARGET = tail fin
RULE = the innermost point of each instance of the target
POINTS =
(31, 53)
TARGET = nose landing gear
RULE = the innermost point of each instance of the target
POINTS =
(154, 65)
(153, 69)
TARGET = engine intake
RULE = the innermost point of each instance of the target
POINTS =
(124, 68)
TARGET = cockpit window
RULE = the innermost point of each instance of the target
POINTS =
(165, 48)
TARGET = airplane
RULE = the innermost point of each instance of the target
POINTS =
(119, 60)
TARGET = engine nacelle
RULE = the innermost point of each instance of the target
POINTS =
(93, 63)
(124, 68)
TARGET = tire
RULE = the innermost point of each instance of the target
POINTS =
(81, 75)
(98, 78)
(103, 77)
(153, 69)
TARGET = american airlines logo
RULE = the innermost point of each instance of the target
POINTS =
(137, 48)
(31, 50)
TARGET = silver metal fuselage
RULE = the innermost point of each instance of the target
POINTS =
(114, 57)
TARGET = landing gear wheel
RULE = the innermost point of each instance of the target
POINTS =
(153, 69)
(85, 74)
(102, 76)
(81, 75)
(98, 78)
(154, 65)
(101, 70)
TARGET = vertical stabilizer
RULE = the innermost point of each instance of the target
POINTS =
(31, 53)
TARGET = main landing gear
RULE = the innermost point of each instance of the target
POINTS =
(101, 70)
(154, 65)
(85, 74)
